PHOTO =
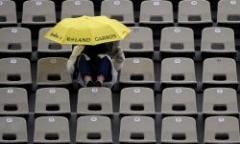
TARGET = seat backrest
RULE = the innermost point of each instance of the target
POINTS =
(15, 39)
(137, 70)
(194, 11)
(51, 129)
(121, 10)
(94, 128)
(38, 11)
(13, 130)
(179, 100)
(228, 11)
(8, 12)
(52, 100)
(77, 8)
(156, 11)
(137, 100)
(52, 71)
(137, 129)
(95, 101)
(13, 101)
(140, 40)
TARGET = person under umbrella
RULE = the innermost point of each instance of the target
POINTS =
(96, 57)
(94, 64)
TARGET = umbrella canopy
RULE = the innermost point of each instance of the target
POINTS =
(87, 30)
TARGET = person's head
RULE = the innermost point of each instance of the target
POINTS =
(111, 45)
(105, 46)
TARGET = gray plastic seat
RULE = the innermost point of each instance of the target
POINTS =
(154, 12)
(49, 48)
(8, 12)
(94, 129)
(179, 101)
(13, 130)
(137, 100)
(139, 41)
(52, 71)
(15, 71)
(137, 71)
(221, 129)
(121, 10)
(77, 8)
(177, 41)
(228, 12)
(194, 12)
(179, 129)
(53, 129)
(220, 101)
(52, 101)
(95, 100)
(219, 71)
(218, 41)
(178, 71)
(137, 129)
(15, 40)
(13, 101)
(38, 12)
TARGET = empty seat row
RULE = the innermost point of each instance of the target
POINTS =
(217, 129)
(14, 101)
(180, 71)
(133, 101)
(175, 101)
(216, 41)
(55, 129)
(55, 101)
(151, 12)
(136, 3)
(180, 41)
(34, 12)
(216, 101)
(133, 129)
(189, 12)
(52, 71)
(17, 71)
(43, 11)
(17, 40)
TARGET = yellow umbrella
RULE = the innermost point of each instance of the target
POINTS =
(88, 30)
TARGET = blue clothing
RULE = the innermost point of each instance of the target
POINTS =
(95, 67)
